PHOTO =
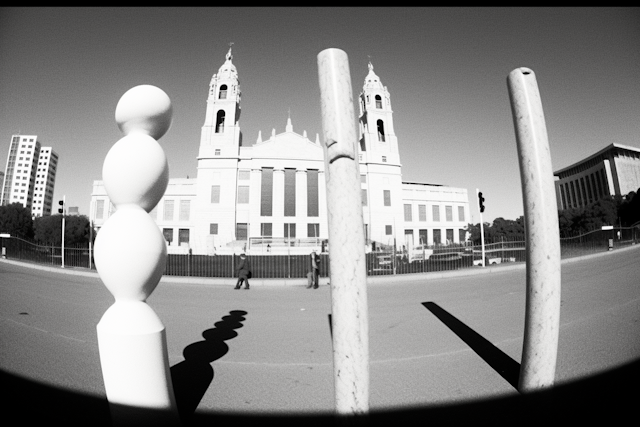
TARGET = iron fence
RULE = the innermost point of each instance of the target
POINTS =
(420, 259)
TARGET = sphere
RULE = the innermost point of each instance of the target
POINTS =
(146, 109)
(135, 171)
(130, 254)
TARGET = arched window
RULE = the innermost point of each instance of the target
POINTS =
(378, 101)
(380, 131)
(220, 121)
(223, 92)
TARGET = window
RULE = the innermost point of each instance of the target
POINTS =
(384, 159)
(312, 193)
(266, 192)
(289, 192)
(461, 214)
(213, 228)
(386, 194)
(313, 230)
(363, 178)
(380, 124)
(216, 152)
(215, 194)
(448, 210)
(449, 235)
(168, 210)
(437, 239)
(378, 101)
(185, 207)
(423, 236)
(223, 92)
(436, 212)
(407, 212)
(290, 231)
(243, 175)
(364, 197)
(388, 230)
(99, 209)
(168, 234)
(241, 231)
(462, 234)
(243, 194)
(422, 212)
(266, 229)
(220, 121)
(183, 236)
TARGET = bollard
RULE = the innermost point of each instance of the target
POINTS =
(542, 312)
(347, 264)
(130, 256)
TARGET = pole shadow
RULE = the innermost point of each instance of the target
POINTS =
(502, 363)
(191, 378)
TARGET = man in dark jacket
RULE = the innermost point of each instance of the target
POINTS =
(244, 272)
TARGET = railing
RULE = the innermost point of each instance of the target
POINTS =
(280, 264)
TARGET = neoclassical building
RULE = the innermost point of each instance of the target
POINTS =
(271, 196)
(612, 171)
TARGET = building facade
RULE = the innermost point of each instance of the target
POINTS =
(271, 195)
(30, 175)
(612, 171)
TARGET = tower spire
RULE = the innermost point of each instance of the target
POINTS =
(229, 56)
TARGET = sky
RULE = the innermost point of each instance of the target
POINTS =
(63, 70)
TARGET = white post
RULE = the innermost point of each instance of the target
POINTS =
(347, 263)
(130, 256)
(64, 206)
(542, 316)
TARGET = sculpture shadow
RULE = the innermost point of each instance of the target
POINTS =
(191, 378)
(504, 365)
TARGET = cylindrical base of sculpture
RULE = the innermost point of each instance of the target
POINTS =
(135, 367)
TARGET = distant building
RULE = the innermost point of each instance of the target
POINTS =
(612, 171)
(271, 196)
(73, 210)
(30, 175)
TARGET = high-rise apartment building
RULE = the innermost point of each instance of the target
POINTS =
(30, 175)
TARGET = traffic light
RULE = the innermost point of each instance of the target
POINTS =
(481, 201)
(61, 208)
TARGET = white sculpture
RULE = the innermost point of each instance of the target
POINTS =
(542, 315)
(130, 256)
(347, 263)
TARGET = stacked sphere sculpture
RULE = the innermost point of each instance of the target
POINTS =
(130, 256)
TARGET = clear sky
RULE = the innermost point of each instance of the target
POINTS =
(63, 70)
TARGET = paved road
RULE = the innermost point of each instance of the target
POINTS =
(434, 341)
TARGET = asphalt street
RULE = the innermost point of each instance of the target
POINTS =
(436, 340)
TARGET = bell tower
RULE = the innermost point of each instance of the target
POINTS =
(221, 136)
(378, 142)
(380, 168)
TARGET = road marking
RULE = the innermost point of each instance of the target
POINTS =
(44, 330)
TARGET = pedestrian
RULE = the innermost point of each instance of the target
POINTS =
(314, 270)
(244, 272)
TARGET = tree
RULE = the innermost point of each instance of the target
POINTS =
(48, 230)
(629, 210)
(16, 220)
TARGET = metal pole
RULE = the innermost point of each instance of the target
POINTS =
(64, 203)
(347, 260)
(542, 316)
